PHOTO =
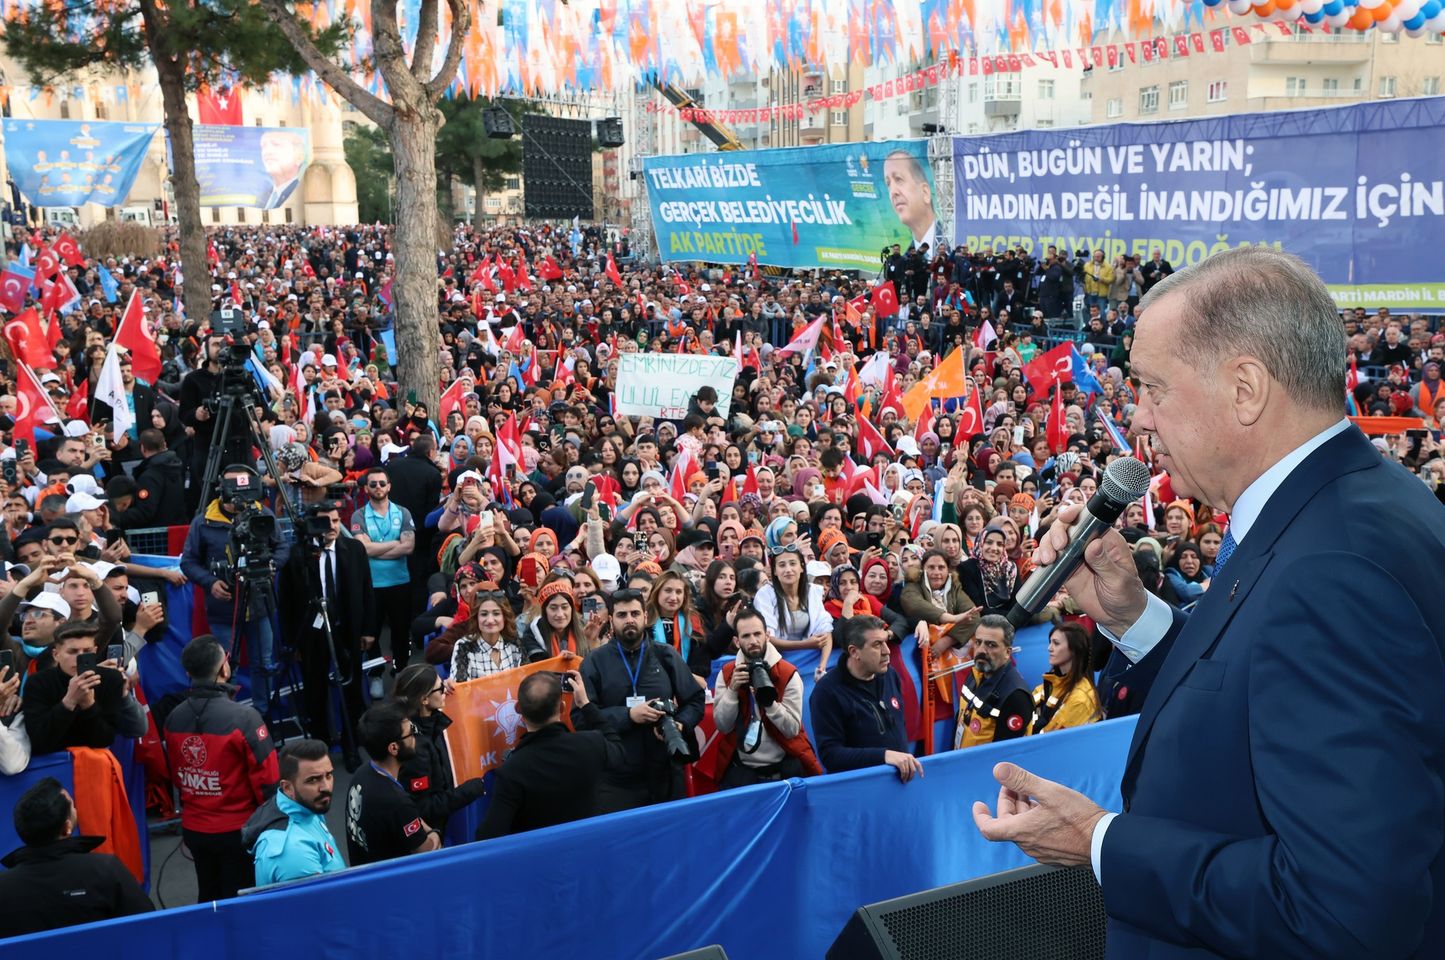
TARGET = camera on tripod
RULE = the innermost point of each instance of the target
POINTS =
(230, 324)
(677, 749)
(313, 528)
(249, 565)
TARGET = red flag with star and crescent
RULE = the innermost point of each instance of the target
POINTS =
(33, 409)
(135, 334)
(27, 340)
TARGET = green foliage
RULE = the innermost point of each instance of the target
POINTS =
(210, 37)
(463, 141)
(368, 152)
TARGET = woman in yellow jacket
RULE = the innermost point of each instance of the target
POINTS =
(1066, 698)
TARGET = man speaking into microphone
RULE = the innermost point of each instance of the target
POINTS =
(1283, 792)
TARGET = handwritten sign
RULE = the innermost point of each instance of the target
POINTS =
(661, 385)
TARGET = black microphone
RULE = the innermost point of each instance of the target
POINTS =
(1124, 481)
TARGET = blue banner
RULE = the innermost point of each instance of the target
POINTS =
(1355, 191)
(250, 166)
(65, 163)
(831, 206)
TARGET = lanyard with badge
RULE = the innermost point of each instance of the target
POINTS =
(633, 675)
(393, 524)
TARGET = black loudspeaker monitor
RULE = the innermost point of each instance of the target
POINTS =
(609, 133)
(1033, 913)
(498, 124)
(713, 952)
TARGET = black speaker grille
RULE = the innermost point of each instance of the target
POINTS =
(1043, 916)
(556, 166)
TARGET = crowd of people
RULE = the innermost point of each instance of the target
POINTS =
(522, 519)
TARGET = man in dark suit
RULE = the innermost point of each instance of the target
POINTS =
(142, 404)
(551, 776)
(1011, 299)
(416, 483)
(342, 577)
(1284, 794)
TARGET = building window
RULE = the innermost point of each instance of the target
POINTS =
(973, 93)
(1218, 91)
(840, 118)
(514, 183)
(1432, 39)
(265, 216)
(1043, 123)
(1294, 86)
(1115, 107)
(1431, 87)
(1118, 63)
(1359, 84)
(257, 121)
(100, 111)
(1046, 89)
(839, 86)
(1387, 86)
(1178, 94)
(1148, 99)
(1388, 38)
(240, 214)
(65, 109)
(215, 214)
(1331, 86)
(288, 215)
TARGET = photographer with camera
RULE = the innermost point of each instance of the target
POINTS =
(760, 694)
(647, 695)
(232, 551)
(199, 386)
(331, 570)
(552, 775)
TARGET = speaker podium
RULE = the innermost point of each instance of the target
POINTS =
(1032, 913)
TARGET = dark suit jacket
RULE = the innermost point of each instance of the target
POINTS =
(1284, 794)
(352, 617)
(550, 777)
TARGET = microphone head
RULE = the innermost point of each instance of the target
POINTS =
(1125, 480)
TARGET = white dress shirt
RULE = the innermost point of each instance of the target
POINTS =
(1158, 616)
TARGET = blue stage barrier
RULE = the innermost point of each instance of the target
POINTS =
(771, 871)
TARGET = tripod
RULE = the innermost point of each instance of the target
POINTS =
(239, 396)
(339, 676)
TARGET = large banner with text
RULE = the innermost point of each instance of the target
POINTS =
(832, 206)
(65, 163)
(662, 385)
(1357, 191)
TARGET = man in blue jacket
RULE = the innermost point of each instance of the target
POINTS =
(1284, 794)
(288, 835)
(856, 710)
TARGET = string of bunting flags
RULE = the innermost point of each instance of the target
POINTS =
(1148, 50)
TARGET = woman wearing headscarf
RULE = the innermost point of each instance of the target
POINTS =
(1185, 572)
(427, 775)
(935, 596)
(559, 629)
(989, 576)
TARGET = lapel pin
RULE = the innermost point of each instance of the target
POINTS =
(1233, 590)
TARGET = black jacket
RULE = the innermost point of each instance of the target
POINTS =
(196, 388)
(416, 484)
(847, 714)
(53, 726)
(355, 616)
(61, 884)
(550, 777)
(427, 776)
(662, 674)
(145, 403)
(160, 497)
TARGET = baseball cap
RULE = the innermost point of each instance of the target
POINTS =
(50, 376)
(608, 570)
(46, 600)
(83, 483)
(82, 501)
(817, 568)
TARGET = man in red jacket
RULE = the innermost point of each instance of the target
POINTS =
(225, 765)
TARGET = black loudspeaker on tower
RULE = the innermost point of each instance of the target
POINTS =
(1033, 913)
(498, 124)
(609, 133)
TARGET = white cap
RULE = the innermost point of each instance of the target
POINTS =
(328, 361)
(82, 501)
(466, 475)
(102, 568)
(50, 376)
(76, 428)
(607, 568)
(817, 568)
(45, 600)
(83, 483)
(908, 445)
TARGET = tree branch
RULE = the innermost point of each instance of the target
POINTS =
(337, 78)
(461, 26)
(390, 55)
(426, 40)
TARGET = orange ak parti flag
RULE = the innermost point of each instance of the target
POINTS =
(485, 721)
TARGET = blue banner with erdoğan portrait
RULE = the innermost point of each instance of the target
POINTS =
(65, 163)
(250, 166)
(828, 206)
(1358, 192)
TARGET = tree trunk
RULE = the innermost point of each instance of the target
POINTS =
(413, 132)
(479, 177)
(196, 293)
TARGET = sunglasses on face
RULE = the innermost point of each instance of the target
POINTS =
(63, 541)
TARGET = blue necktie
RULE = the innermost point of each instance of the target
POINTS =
(1226, 550)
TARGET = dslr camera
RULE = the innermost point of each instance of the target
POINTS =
(762, 682)
(677, 749)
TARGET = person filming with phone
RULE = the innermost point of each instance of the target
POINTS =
(81, 701)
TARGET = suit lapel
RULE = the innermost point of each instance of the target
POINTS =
(1342, 454)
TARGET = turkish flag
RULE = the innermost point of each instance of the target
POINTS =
(69, 250)
(47, 265)
(885, 300)
(612, 272)
(925, 423)
(221, 107)
(59, 294)
(753, 263)
(79, 403)
(970, 418)
(451, 399)
(33, 409)
(137, 335)
(549, 270)
(892, 397)
(523, 281)
(514, 341)
(27, 340)
(1049, 368)
(1058, 428)
(870, 441)
(13, 287)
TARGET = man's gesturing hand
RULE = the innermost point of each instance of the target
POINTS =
(1048, 821)
(1106, 585)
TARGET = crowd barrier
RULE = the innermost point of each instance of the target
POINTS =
(771, 871)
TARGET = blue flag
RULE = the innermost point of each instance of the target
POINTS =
(108, 284)
(1084, 378)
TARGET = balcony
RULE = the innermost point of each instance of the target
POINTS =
(1001, 107)
(1350, 47)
